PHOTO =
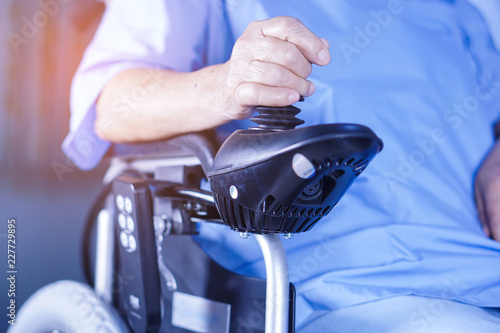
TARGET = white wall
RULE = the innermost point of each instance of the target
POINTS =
(35, 77)
(4, 23)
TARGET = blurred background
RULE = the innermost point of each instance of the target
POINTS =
(41, 44)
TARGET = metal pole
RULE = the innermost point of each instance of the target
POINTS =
(104, 256)
(277, 283)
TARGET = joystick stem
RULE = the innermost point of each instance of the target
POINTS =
(277, 118)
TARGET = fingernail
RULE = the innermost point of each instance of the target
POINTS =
(323, 56)
(292, 98)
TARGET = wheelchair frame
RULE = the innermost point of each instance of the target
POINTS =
(277, 313)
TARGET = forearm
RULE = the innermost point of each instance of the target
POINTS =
(269, 66)
(145, 104)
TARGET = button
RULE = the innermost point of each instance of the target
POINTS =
(302, 166)
(128, 205)
(132, 244)
(119, 201)
(124, 239)
(122, 221)
(130, 224)
(134, 302)
(233, 191)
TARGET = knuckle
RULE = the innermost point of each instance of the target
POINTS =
(295, 61)
(281, 78)
(289, 21)
(241, 46)
(263, 49)
(255, 72)
(238, 94)
(253, 26)
(307, 70)
(246, 94)
(291, 57)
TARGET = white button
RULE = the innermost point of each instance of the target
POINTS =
(134, 302)
(119, 201)
(130, 224)
(233, 191)
(122, 221)
(124, 239)
(128, 205)
(132, 244)
(302, 166)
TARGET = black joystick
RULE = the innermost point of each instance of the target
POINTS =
(277, 118)
(275, 178)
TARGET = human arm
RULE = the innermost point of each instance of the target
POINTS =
(269, 65)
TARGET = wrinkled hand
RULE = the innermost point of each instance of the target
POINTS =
(269, 66)
(487, 193)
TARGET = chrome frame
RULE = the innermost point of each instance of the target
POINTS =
(105, 243)
(277, 283)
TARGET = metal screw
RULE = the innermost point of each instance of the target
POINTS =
(245, 235)
(159, 224)
(288, 235)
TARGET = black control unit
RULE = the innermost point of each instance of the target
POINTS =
(137, 282)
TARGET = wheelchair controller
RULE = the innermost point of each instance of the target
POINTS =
(267, 180)
(140, 301)
(275, 178)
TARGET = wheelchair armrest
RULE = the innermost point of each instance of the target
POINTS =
(202, 145)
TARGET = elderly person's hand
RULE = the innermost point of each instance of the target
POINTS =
(270, 64)
(487, 193)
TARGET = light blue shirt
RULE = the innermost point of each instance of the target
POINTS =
(424, 75)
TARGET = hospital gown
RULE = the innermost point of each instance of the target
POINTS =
(424, 76)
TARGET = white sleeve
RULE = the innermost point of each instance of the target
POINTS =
(172, 34)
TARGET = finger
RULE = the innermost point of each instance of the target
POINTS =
(250, 93)
(278, 76)
(326, 43)
(292, 30)
(492, 207)
(277, 51)
(478, 197)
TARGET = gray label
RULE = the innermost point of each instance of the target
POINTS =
(198, 314)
